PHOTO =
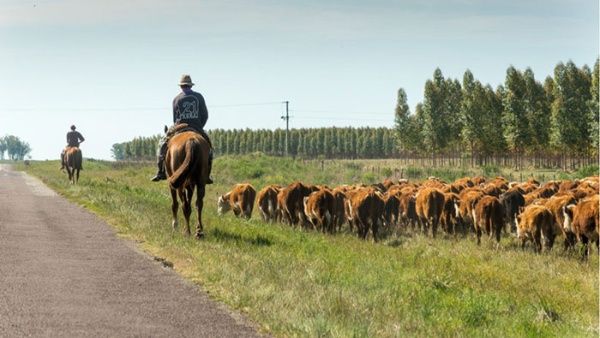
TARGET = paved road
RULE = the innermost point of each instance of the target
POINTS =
(64, 273)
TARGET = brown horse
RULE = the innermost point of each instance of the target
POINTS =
(186, 163)
(73, 161)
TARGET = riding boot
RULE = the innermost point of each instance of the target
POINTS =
(161, 175)
(210, 160)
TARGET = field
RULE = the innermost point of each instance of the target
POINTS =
(298, 283)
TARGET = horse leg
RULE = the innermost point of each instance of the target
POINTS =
(199, 205)
(187, 209)
(174, 207)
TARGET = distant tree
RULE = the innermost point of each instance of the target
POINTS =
(537, 111)
(16, 148)
(516, 126)
(594, 109)
(3, 147)
(403, 124)
(118, 151)
(441, 109)
(472, 113)
(570, 109)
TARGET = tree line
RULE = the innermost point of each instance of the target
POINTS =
(306, 143)
(523, 117)
(519, 119)
(14, 147)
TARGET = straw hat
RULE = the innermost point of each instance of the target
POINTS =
(186, 80)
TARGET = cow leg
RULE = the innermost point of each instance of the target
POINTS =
(586, 247)
(537, 241)
(498, 230)
(478, 233)
(569, 241)
(200, 191)
(174, 207)
(434, 225)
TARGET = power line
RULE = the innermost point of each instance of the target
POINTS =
(339, 119)
(340, 112)
(136, 108)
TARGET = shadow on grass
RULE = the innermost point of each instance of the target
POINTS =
(226, 236)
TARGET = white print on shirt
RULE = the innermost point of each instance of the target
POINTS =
(190, 109)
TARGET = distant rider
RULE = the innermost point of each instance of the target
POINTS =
(74, 138)
(188, 108)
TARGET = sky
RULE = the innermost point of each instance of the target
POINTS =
(111, 67)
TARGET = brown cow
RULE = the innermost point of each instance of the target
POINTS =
(365, 211)
(468, 199)
(318, 208)
(407, 211)
(290, 201)
(583, 220)
(267, 202)
(450, 212)
(240, 200)
(391, 209)
(556, 204)
(536, 223)
(429, 203)
(339, 213)
(488, 214)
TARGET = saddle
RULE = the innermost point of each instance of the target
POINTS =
(183, 127)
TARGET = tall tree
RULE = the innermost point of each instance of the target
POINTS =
(537, 111)
(516, 127)
(570, 110)
(402, 120)
(3, 147)
(471, 113)
(594, 109)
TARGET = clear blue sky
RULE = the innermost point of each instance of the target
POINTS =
(111, 66)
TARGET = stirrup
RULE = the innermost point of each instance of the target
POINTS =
(159, 177)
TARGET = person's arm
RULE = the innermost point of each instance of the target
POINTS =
(174, 110)
(203, 113)
(81, 139)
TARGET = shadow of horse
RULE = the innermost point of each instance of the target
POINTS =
(186, 164)
(73, 160)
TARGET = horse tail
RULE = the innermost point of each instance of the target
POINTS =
(189, 164)
(78, 159)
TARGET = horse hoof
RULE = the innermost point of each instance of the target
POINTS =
(200, 235)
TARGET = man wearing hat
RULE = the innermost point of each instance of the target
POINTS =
(188, 108)
(74, 138)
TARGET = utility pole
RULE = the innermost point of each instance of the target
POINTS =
(287, 125)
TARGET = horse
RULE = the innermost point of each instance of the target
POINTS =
(73, 161)
(186, 163)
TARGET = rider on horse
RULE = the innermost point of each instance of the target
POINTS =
(189, 114)
(74, 138)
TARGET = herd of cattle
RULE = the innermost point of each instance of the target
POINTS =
(532, 211)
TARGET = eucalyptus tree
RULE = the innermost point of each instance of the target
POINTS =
(570, 110)
(514, 119)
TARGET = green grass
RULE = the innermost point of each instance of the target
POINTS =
(297, 283)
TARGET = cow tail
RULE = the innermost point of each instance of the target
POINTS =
(180, 175)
